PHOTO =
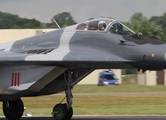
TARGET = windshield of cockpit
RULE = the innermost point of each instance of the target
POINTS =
(110, 25)
(96, 24)
(119, 28)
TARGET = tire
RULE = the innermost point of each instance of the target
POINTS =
(59, 112)
(15, 109)
(69, 113)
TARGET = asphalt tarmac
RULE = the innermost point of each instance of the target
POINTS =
(97, 118)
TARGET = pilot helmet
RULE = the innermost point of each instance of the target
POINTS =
(101, 25)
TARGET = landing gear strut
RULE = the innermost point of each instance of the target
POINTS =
(13, 110)
(65, 111)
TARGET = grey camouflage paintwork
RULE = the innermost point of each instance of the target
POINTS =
(73, 49)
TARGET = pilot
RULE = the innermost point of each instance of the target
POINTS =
(116, 28)
(113, 29)
(101, 25)
(93, 25)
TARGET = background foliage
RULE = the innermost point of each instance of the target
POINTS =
(153, 27)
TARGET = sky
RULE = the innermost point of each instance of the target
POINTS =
(81, 10)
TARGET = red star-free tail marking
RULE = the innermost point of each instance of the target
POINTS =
(15, 79)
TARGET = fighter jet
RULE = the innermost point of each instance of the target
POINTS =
(56, 61)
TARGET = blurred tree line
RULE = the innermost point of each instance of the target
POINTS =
(10, 21)
(153, 27)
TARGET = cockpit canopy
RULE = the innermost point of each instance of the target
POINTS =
(104, 24)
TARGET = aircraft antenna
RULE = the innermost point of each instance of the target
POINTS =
(56, 23)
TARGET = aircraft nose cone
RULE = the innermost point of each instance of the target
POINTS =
(165, 56)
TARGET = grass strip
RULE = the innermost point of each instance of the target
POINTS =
(106, 104)
(97, 105)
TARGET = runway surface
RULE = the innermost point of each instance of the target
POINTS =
(98, 118)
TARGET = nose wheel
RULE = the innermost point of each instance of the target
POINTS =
(62, 112)
(65, 111)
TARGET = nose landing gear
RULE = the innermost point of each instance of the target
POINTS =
(62, 112)
(65, 111)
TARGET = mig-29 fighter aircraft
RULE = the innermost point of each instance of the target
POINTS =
(53, 62)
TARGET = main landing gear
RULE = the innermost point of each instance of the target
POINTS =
(65, 111)
(13, 110)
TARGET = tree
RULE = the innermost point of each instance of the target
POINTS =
(149, 29)
(161, 20)
(10, 21)
(26, 23)
(7, 20)
(64, 19)
(137, 17)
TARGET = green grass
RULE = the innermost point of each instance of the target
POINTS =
(119, 88)
(102, 105)
(106, 104)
